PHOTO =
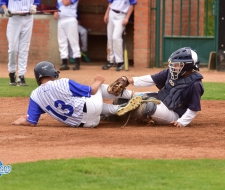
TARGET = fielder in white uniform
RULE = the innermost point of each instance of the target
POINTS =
(117, 16)
(19, 31)
(68, 32)
(69, 102)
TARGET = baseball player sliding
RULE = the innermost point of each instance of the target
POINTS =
(68, 32)
(69, 102)
(19, 31)
(117, 16)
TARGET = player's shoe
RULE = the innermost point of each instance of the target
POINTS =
(85, 56)
(12, 77)
(131, 105)
(64, 67)
(107, 66)
(76, 67)
(21, 81)
(120, 66)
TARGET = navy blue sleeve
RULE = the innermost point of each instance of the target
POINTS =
(196, 93)
(34, 112)
(79, 89)
(160, 78)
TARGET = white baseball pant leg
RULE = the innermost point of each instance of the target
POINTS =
(68, 33)
(83, 34)
(96, 107)
(163, 115)
(115, 30)
(19, 31)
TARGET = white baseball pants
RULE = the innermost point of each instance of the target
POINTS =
(19, 31)
(68, 33)
(96, 107)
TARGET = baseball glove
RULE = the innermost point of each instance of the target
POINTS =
(117, 87)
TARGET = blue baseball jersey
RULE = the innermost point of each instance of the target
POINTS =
(121, 5)
(19, 5)
(191, 95)
(62, 99)
(67, 11)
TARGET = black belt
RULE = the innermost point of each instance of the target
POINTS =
(117, 11)
(85, 111)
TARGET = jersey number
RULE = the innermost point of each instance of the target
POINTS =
(63, 106)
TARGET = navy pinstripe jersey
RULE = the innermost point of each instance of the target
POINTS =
(62, 99)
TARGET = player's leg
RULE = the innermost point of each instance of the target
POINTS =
(24, 45)
(110, 53)
(118, 40)
(73, 37)
(63, 43)
(83, 33)
(163, 115)
(13, 42)
(94, 108)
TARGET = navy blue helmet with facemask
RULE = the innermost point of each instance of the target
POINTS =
(183, 60)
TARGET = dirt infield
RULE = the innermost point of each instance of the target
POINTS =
(203, 138)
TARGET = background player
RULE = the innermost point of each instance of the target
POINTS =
(117, 16)
(69, 102)
(180, 91)
(19, 31)
(83, 34)
(68, 32)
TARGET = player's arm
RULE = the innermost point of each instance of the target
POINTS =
(129, 12)
(142, 81)
(98, 80)
(106, 17)
(33, 114)
(186, 118)
(68, 2)
(22, 121)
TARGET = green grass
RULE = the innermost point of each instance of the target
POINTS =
(105, 173)
(213, 91)
(16, 91)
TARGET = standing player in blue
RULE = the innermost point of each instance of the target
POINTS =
(180, 90)
(68, 32)
(116, 17)
(19, 31)
(69, 102)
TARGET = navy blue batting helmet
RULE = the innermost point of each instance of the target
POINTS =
(45, 69)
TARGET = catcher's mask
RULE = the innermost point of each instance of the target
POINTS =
(181, 61)
(45, 69)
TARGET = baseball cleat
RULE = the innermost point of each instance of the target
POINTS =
(131, 105)
(107, 66)
(64, 67)
(120, 66)
(21, 81)
(12, 77)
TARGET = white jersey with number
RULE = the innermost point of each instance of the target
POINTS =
(63, 99)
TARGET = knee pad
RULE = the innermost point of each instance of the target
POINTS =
(149, 109)
(144, 112)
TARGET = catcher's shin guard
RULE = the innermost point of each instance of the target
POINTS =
(131, 105)
(144, 112)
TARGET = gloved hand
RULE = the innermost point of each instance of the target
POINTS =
(33, 9)
(7, 12)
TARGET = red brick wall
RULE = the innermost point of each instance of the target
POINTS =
(142, 33)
